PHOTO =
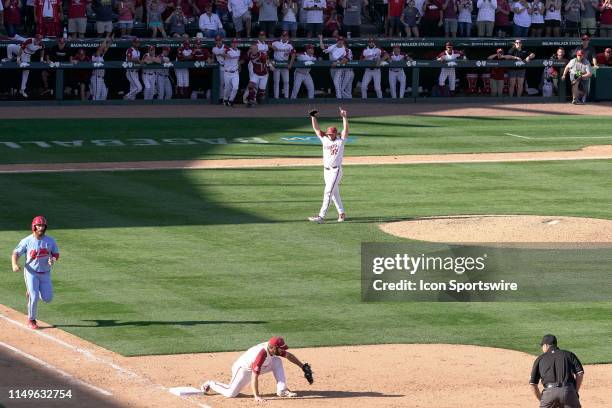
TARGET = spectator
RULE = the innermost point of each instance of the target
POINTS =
(176, 24)
(464, 19)
(516, 76)
(241, 16)
(589, 50)
(450, 10)
(410, 19)
(522, 19)
(289, 20)
(573, 15)
(537, 18)
(588, 23)
(48, 15)
(433, 18)
(579, 70)
(155, 8)
(314, 17)
(57, 53)
(210, 24)
(559, 55)
(502, 18)
(81, 77)
(199, 6)
(603, 58)
(138, 10)
(126, 12)
(552, 19)
(332, 25)
(221, 8)
(12, 16)
(29, 19)
(485, 20)
(186, 6)
(605, 19)
(268, 16)
(395, 9)
(352, 16)
(498, 74)
(104, 17)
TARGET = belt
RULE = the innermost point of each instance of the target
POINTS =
(329, 168)
(146, 73)
(229, 72)
(558, 385)
(41, 273)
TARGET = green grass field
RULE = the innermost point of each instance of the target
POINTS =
(157, 262)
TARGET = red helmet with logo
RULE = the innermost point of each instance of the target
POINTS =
(39, 220)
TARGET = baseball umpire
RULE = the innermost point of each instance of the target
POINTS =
(561, 373)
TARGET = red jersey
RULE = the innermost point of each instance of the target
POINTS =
(201, 54)
(498, 73)
(222, 5)
(54, 8)
(432, 11)
(396, 8)
(602, 60)
(12, 13)
(77, 8)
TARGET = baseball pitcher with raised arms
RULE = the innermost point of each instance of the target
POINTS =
(333, 153)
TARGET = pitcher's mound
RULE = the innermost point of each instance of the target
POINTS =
(461, 229)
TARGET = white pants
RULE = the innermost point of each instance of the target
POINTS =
(368, 75)
(221, 82)
(135, 85)
(231, 85)
(260, 81)
(277, 74)
(347, 83)
(149, 80)
(394, 78)
(300, 77)
(98, 88)
(241, 377)
(332, 179)
(164, 87)
(25, 74)
(182, 77)
(336, 74)
(447, 73)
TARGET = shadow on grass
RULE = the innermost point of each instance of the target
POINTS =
(143, 323)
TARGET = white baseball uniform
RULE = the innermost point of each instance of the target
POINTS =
(448, 72)
(258, 360)
(184, 53)
(302, 75)
(97, 87)
(397, 75)
(230, 73)
(333, 153)
(369, 74)
(348, 75)
(282, 51)
(219, 53)
(132, 74)
(164, 86)
(149, 78)
(335, 54)
(28, 48)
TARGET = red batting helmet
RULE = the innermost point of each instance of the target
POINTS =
(39, 220)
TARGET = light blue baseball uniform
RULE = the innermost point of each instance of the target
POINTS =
(37, 271)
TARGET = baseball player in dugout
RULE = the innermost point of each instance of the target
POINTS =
(561, 374)
(333, 153)
(41, 253)
(258, 360)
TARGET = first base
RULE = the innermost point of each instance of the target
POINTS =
(182, 391)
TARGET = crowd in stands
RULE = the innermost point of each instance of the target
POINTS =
(307, 18)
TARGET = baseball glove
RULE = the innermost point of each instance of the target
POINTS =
(308, 373)
(313, 112)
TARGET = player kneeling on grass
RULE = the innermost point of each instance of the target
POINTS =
(257, 360)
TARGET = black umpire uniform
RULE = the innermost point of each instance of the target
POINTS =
(561, 373)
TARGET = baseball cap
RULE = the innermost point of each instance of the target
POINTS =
(166, 48)
(608, 50)
(135, 40)
(279, 342)
(262, 33)
(309, 46)
(448, 44)
(585, 37)
(331, 129)
(549, 339)
(235, 41)
(218, 38)
(151, 47)
(285, 33)
(340, 38)
(580, 52)
(499, 50)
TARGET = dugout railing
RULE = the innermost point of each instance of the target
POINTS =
(320, 70)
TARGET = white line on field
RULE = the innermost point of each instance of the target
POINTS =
(88, 354)
(522, 137)
(53, 368)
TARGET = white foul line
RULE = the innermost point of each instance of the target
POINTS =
(90, 356)
(53, 368)
(559, 137)
(522, 137)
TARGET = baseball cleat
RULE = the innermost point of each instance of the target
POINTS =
(341, 217)
(316, 219)
(205, 387)
(32, 324)
(22, 93)
(286, 394)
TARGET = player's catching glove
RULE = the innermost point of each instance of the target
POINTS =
(308, 373)
(313, 112)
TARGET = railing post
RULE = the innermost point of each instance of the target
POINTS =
(415, 82)
(216, 79)
(59, 84)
